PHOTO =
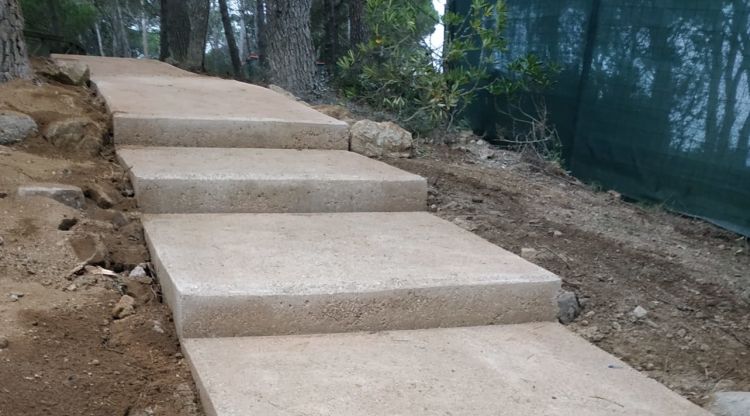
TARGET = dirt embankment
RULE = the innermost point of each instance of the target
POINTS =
(65, 353)
(692, 278)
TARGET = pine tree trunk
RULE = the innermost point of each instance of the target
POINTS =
(234, 54)
(358, 28)
(290, 56)
(14, 60)
(144, 29)
(99, 43)
(184, 28)
(120, 32)
(260, 31)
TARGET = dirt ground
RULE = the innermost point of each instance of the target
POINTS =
(692, 278)
(66, 354)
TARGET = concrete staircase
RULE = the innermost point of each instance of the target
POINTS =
(307, 282)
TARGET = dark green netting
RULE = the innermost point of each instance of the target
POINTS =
(653, 97)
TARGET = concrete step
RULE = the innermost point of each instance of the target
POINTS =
(212, 180)
(155, 104)
(272, 274)
(515, 370)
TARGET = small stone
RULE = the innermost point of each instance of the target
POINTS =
(681, 332)
(730, 403)
(99, 195)
(556, 233)
(138, 272)
(178, 355)
(158, 328)
(639, 312)
(2, 241)
(4, 343)
(568, 307)
(71, 288)
(119, 219)
(15, 127)
(89, 248)
(69, 195)
(67, 223)
(94, 362)
(529, 253)
(124, 307)
(477, 200)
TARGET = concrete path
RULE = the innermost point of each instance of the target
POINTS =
(236, 257)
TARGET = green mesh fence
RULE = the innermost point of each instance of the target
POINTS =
(653, 97)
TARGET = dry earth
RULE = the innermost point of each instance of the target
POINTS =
(67, 355)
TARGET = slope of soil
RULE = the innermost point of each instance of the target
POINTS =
(691, 277)
(66, 354)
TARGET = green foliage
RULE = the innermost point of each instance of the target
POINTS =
(66, 18)
(397, 71)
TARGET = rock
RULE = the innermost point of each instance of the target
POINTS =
(69, 195)
(119, 219)
(2, 241)
(78, 134)
(730, 403)
(138, 272)
(569, 308)
(336, 111)
(529, 253)
(279, 90)
(67, 223)
(4, 343)
(124, 307)
(94, 362)
(387, 139)
(639, 312)
(71, 73)
(14, 296)
(556, 233)
(89, 248)
(15, 127)
(99, 195)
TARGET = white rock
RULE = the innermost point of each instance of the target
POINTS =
(639, 312)
(69, 195)
(138, 272)
(375, 139)
(529, 253)
(15, 127)
(730, 403)
(71, 73)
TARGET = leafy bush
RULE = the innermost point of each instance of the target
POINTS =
(396, 70)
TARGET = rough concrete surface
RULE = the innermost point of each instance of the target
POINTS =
(153, 103)
(537, 369)
(215, 180)
(268, 274)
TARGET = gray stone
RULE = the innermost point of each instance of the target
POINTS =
(639, 312)
(386, 139)
(124, 307)
(70, 72)
(89, 248)
(730, 403)
(4, 342)
(568, 305)
(15, 127)
(138, 272)
(529, 253)
(78, 134)
(69, 195)
(99, 195)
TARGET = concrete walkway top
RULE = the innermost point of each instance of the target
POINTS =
(154, 103)
(513, 370)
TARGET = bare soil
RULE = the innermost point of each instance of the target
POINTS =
(66, 354)
(691, 277)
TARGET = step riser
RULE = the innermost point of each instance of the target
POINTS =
(175, 132)
(240, 196)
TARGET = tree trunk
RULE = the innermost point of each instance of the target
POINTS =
(291, 61)
(184, 28)
(14, 59)
(99, 43)
(163, 32)
(234, 54)
(260, 30)
(144, 29)
(358, 28)
(120, 32)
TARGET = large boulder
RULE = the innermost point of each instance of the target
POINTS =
(79, 134)
(386, 139)
(15, 127)
(71, 73)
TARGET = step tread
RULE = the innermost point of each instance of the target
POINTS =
(217, 180)
(530, 369)
(264, 274)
